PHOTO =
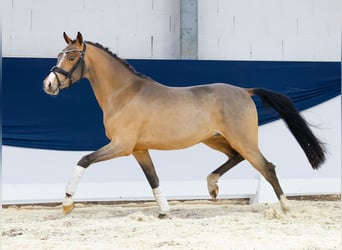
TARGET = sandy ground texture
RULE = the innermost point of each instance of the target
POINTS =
(225, 224)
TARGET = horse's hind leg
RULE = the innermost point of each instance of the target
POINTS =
(145, 161)
(212, 179)
(220, 144)
(267, 169)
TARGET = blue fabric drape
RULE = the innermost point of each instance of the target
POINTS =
(73, 120)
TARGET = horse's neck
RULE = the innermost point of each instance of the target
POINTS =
(108, 77)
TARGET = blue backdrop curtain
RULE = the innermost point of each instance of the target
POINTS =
(73, 120)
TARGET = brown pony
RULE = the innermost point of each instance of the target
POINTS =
(141, 114)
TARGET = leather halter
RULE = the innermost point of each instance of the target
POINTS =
(68, 74)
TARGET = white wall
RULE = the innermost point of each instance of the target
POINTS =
(292, 30)
(131, 28)
(41, 175)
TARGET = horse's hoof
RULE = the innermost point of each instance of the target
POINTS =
(284, 204)
(67, 209)
(285, 210)
(164, 216)
(212, 185)
(214, 193)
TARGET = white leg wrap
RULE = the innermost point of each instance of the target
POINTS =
(74, 180)
(161, 200)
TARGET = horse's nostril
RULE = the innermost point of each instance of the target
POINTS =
(49, 85)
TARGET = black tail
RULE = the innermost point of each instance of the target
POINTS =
(313, 147)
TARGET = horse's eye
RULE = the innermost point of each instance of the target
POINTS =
(71, 58)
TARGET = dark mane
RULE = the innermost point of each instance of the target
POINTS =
(124, 62)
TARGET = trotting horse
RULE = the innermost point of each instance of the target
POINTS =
(141, 114)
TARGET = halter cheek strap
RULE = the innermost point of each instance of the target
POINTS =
(68, 74)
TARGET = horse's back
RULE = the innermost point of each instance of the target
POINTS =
(234, 100)
(221, 100)
(184, 116)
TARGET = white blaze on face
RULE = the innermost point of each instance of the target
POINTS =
(51, 78)
(51, 84)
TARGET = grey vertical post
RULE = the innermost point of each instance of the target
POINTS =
(188, 26)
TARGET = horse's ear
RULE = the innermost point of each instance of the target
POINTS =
(79, 38)
(67, 39)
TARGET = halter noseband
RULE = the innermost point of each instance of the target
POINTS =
(69, 73)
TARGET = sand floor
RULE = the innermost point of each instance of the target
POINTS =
(226, 224)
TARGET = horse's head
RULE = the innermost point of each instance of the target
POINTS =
(69, 68)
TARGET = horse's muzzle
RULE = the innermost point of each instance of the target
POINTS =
(50, 86)
(51, 91)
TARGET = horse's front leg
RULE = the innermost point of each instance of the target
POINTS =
(111, 150)
(145, 161)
